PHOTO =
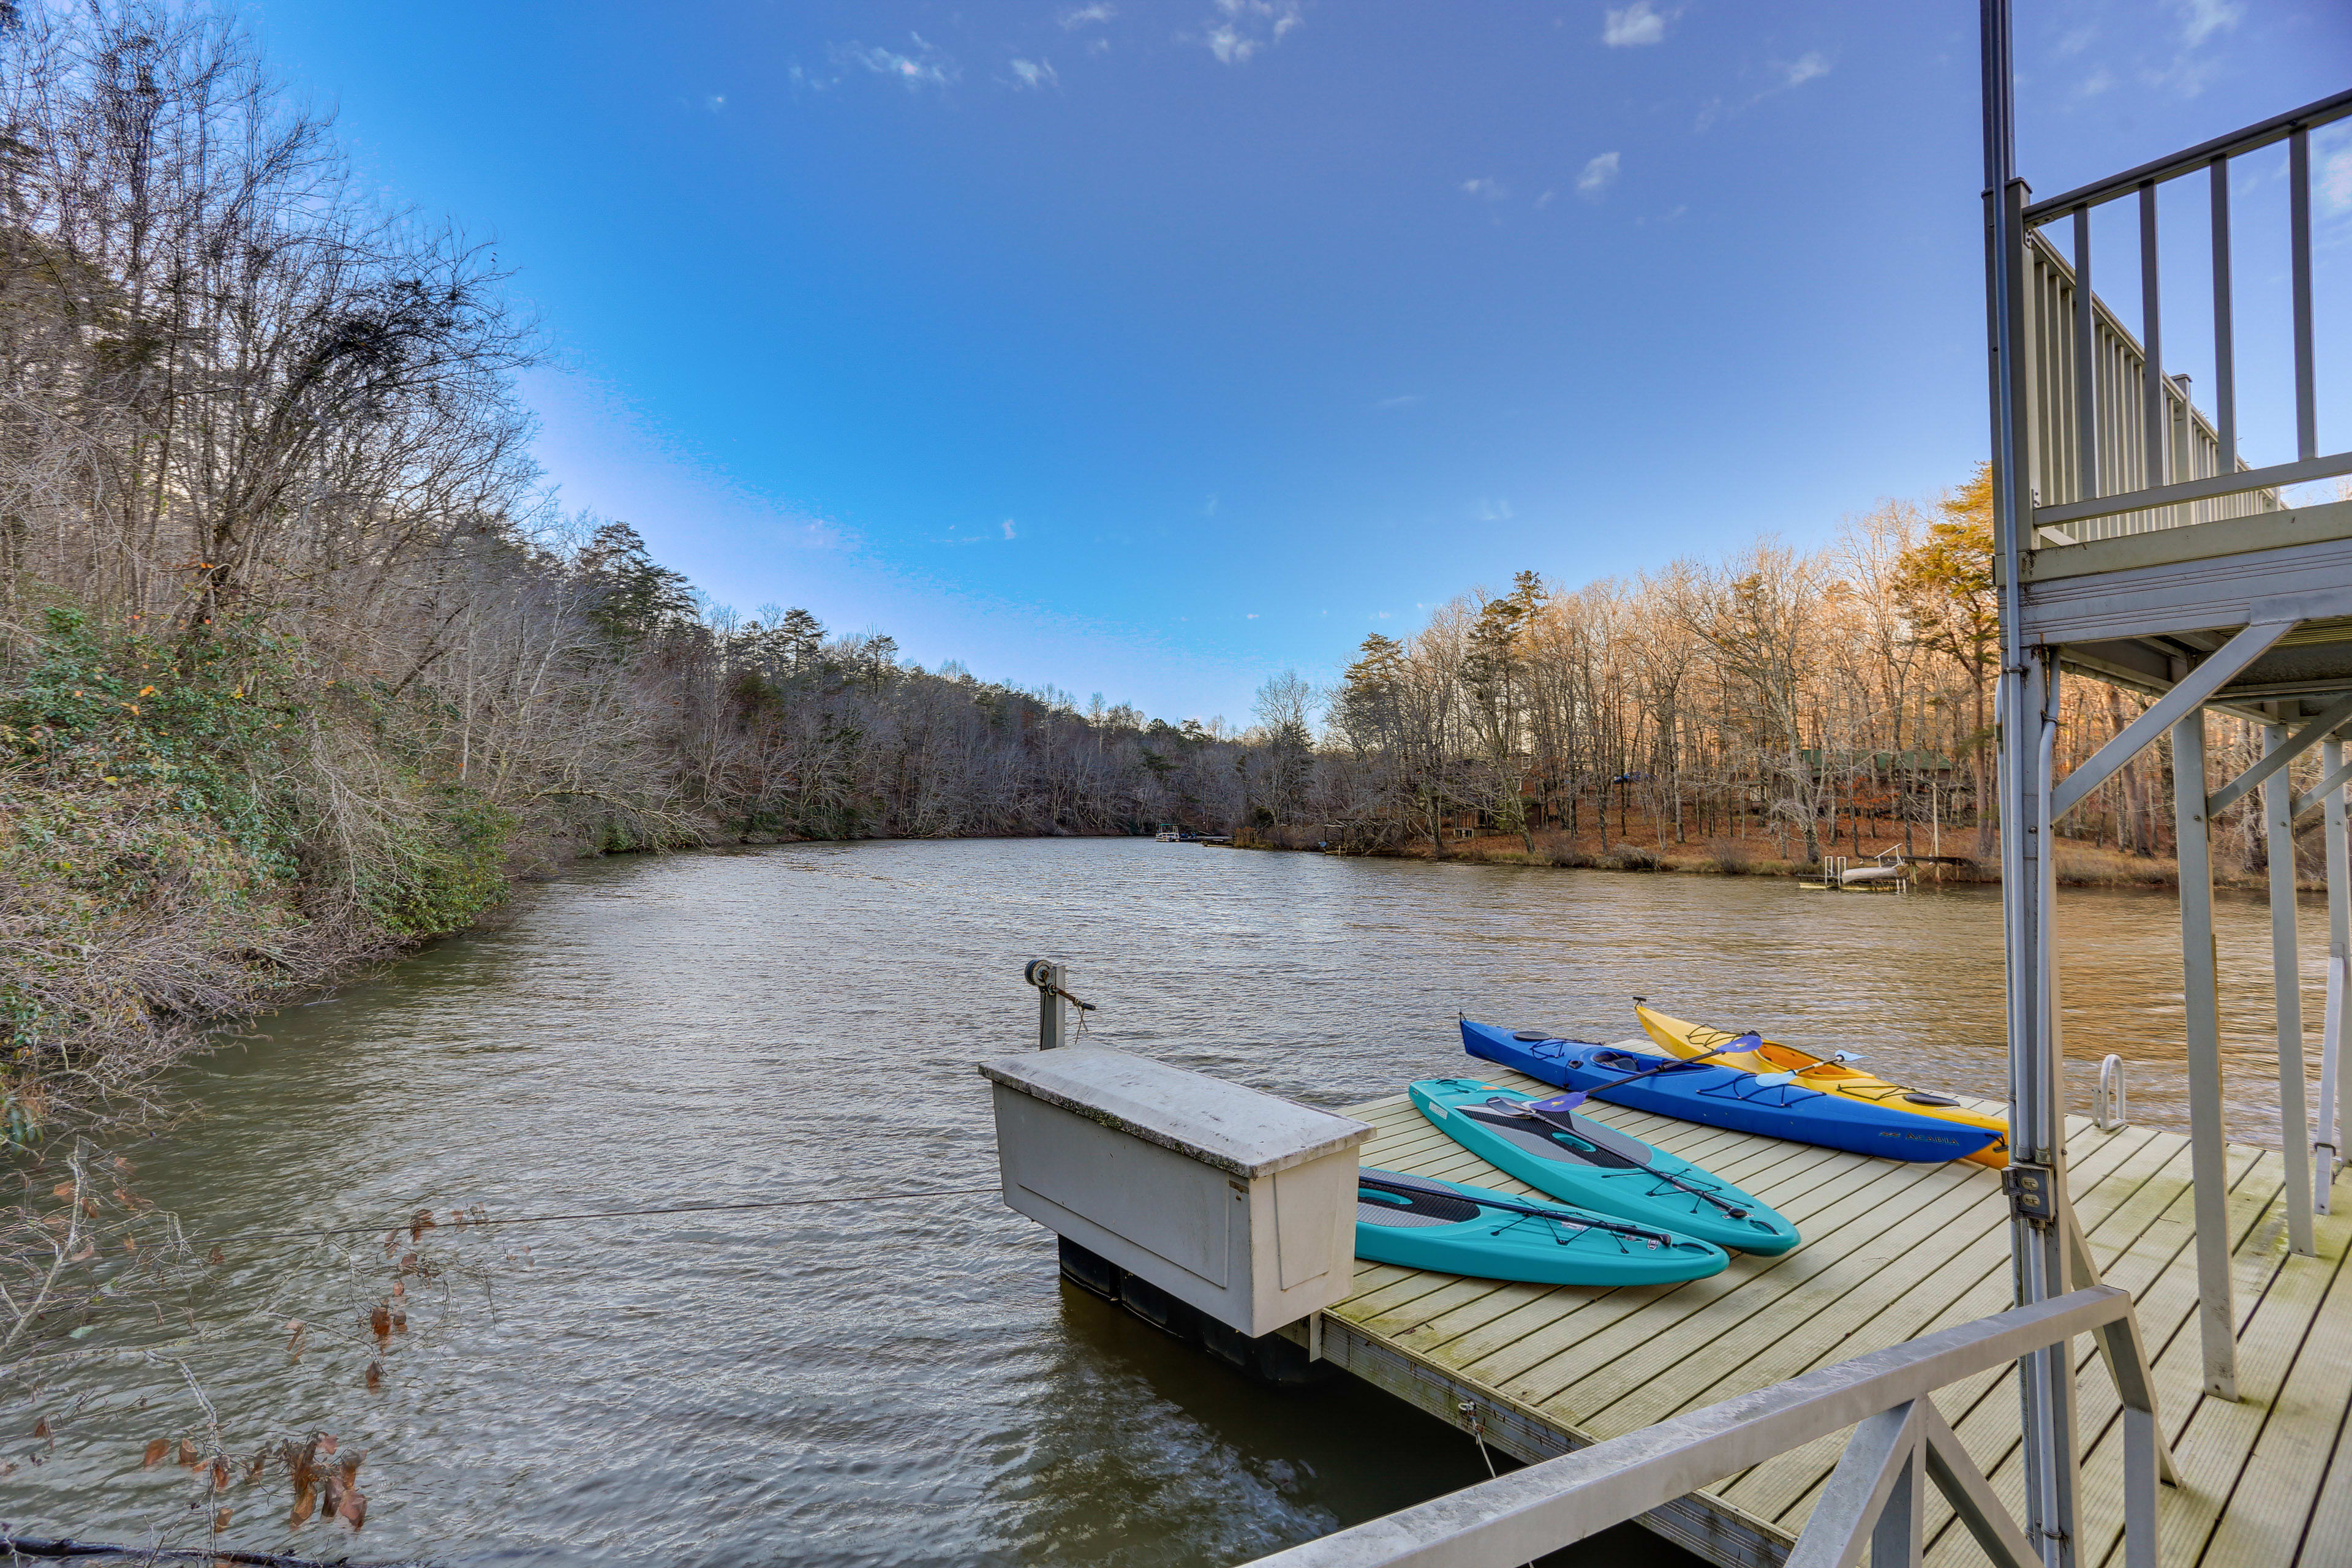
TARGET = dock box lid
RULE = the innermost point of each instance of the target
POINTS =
(1206, 1119)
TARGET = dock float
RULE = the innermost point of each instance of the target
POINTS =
(1893, 1251)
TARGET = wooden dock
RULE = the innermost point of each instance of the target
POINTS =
(1891, 1251)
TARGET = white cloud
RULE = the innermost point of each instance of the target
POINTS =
(1635, 25)
(1485, 189)
(926, 66)
(1402, 400)
(714, 101)
(1034, 74)
(1599, 175)
(1241, 28)
(1081, 15)
(1251, 616)
(2336, 181)
(1491, 511)
(2205, 17)
(1209, 508)
(1008, 528)
(1786, 74)
(1545, 200)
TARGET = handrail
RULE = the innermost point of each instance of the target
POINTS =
(1517, 1517)
(2277, 127)
(2110, 1112)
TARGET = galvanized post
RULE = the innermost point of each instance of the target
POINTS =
(2335, 1091)
(2209, 1173)
(2028, 701)
(2287, 988)
(1052, 981)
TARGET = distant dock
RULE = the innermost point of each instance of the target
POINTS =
(1893, 1251)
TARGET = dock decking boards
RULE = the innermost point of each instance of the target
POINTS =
(1893, 1251)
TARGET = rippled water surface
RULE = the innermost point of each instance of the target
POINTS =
(907, 1380)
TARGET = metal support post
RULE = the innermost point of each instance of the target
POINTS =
(1052, 981)
(2287, 988)
(2029, 696)
(2201, 991)
(2335, 1093)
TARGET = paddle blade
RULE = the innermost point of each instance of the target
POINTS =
(1560, 1102)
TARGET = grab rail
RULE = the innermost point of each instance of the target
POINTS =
(2108, 1112)
(1874, 1499)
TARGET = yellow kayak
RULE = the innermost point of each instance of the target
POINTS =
(1831, 1078)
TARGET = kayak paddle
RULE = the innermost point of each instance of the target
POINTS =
(1576, 1097)
(1424, 1187)
(1835, 1058)
(1565, 1122)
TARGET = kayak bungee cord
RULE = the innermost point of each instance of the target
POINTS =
(1528, 1109)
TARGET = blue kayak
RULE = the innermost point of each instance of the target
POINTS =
(1419, 1222)
(1724, 1097)
(1583, 1161)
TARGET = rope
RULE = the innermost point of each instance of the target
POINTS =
(404, 1221)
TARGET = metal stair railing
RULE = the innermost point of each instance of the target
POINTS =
(1874, 1501)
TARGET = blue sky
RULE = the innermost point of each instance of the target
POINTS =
(1148, 347)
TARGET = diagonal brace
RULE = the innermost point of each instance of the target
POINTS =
(2175, 705)
(2120, 1343)
(2302, 741)
(2323, 789)
(1876, 1457)
(1971, 1496)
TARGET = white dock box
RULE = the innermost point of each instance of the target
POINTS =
(1239, 1202)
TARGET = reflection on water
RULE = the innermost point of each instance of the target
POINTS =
(906, 1382)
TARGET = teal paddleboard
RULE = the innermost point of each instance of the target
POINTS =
(1419, 1222)
(1583, 1161)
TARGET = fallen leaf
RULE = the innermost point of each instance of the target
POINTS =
(216, 1256)
(88, 1250)
(130, 1243)
(294, 1339)
(351, 1468)
(220, 1474)
(400, 1286)
(327, 1444)
(374, 1376)
(379, 1321)
(305, 1505)
(421, 1223)
(62, 1190)
(399, 1321)
(155, 1452)
(408, 1263)
(353, 1511)
(41, 1427)
(220, 1521)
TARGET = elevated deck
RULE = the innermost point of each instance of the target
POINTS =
(1893, 1251)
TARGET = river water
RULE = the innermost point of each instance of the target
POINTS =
(906, 1381)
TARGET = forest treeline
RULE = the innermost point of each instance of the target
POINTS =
(295, 663)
